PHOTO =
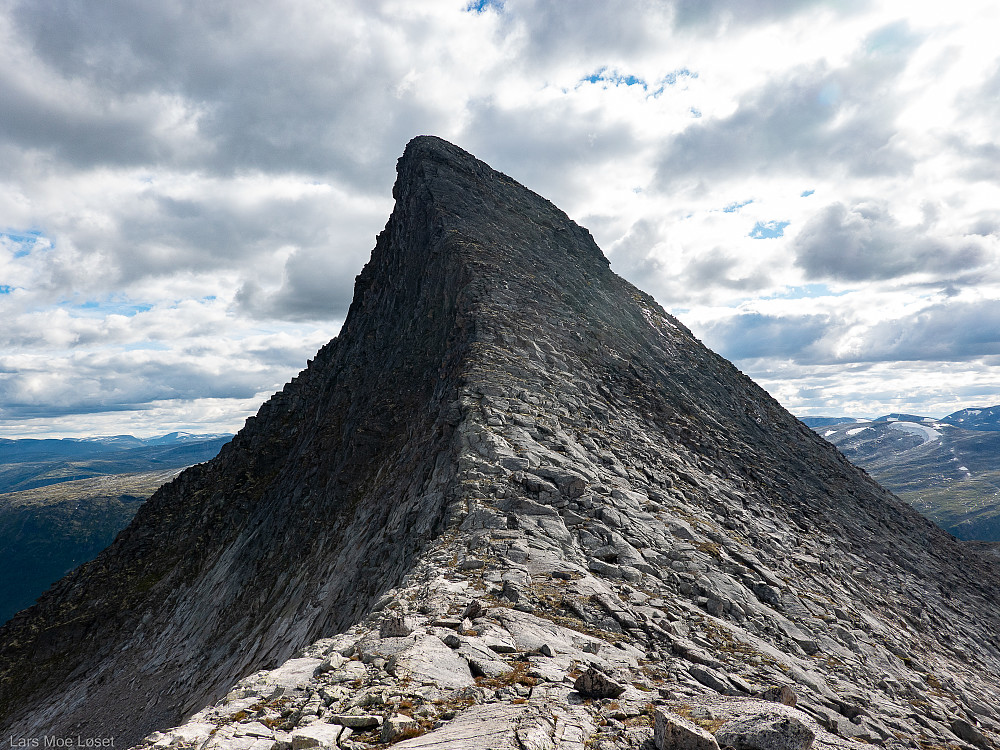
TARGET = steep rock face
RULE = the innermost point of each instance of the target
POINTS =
(315, 507)
(612, 496)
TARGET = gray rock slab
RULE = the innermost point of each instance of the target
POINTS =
(356, 720)
(966, 731)
(766, 731)
(194, 732)
(573, 728)
(293, 674)
(494, 636)
(484, 727)
(224, 742)
(673, 732)
(316, 735)
(255, 729)
(530, 632)
(550, 670)
(710, 678)
(369, 649)
(394, 626)
(482, 659)
(429, 660)
(350, 671)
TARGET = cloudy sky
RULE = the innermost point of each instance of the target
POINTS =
(189, 188)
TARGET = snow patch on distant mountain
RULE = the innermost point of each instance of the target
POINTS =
(927, 433)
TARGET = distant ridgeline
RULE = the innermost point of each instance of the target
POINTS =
(945, 468)
(63, 501)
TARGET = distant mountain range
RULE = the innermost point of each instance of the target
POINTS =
(63, 501)
(945, 468)
(26, 464)
(985, 418)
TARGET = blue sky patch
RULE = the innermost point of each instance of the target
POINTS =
(111, 306)
(671, 79)
(153, 346)
(807, 193)
(734, 207)
(614, 78)
(807, 291)
(25, 240)
(768, 230)
(6, 289)
(481, 6)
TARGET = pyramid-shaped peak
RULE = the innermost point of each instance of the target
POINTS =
(477, 194)
(510, 464)
(436, 149)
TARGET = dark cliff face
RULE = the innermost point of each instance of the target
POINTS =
(315, 507)
(487, 336)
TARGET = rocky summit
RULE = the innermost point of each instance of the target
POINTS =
(514, 504)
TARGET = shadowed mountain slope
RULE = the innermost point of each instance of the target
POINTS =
(506, 429)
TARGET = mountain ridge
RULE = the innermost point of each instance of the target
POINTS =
(969, 418)
(507, 433)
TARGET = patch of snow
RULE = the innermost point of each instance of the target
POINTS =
(963, 468)
(828, 433)
(856, 430)
(927, 433)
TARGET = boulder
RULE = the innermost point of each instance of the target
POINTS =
(765, 732)
(673, 732)
(316, 735)
(778, 694)
(397, 726)
(394, 626)
(595, 684)
(429, 660)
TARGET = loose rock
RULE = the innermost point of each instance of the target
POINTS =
(595, 684)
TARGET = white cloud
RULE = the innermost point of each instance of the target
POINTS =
(198, 184)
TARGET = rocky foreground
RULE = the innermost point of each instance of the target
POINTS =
(518, 647)
(583, 604)
(517, 505)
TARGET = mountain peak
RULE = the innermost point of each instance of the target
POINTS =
(513, 464)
